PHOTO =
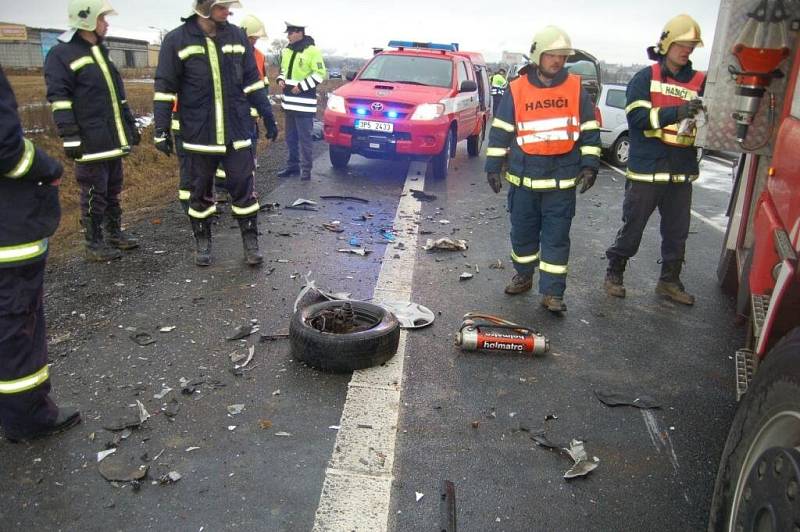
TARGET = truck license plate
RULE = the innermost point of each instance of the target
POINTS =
(369, 125)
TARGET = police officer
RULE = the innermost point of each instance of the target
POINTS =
(302, 69)
(499, 84)
(663, 160)
(95, 122)
(29, 213)
(208, 66)
(545, 129)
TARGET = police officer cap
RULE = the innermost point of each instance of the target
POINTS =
(292, 26)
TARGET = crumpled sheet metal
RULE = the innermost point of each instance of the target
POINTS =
(445, 244)
(614, 398)
(582, 464)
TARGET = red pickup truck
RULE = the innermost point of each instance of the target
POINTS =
(414, 100)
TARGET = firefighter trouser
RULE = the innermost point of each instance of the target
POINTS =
(100, 184)
(299, 126)
(238, 165)
(184, 180)
(496, 102)
(674, 202)
(540, 224)
(25, 405)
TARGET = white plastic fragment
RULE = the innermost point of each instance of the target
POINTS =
(235, 409)
(168, 328)
(418, 495)
(144, 415)
(103, 454)
(164, 391)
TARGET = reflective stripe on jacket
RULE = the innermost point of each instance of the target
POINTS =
(301, 66)
(667, 93)
(87, 97)
(29, 208)
(547, 118)
(216, 81)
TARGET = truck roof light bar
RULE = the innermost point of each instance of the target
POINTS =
(452, 47)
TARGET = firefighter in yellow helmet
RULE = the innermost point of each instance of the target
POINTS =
(87, 96)
(546, 131)
(661, 100)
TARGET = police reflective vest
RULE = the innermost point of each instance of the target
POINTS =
(216, 81)
(87, 98)
(29, 208)
(671, 93)
(547, 118)
(301, 66)
(499, 84)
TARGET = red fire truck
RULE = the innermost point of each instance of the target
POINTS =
(753, 101)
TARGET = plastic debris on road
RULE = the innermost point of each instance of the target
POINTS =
(465, 276)
(250, 352)
(103, 454)
(445, 244)
(167, 329)
(144, 415)
(164, 391)
(418, 495)
(334, 226)
(410, 315)
(243, 331)
(356, 251)
(614, 398)
(170, 478)
(235, 409)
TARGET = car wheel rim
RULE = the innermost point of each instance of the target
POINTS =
(623, 151)
(343, 319)
(780, 433)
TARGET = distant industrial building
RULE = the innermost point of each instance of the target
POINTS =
(25, 47)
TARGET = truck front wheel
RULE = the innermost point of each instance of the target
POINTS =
(758, 482)
(441, 161)
(339, 156)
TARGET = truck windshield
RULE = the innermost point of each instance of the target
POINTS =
(410, 69)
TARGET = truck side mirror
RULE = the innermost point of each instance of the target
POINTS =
(350, 76)
(468, 86)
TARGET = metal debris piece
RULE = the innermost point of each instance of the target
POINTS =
(237, 357)
(410, 315)
(356, 251)
(231, 427)
(276, 392)
(127, 419)
(235, 410)
(122, 468)
(190, 449)
(418, 495)
(421, 195)
(541, 440)
(310, 294)
(284, 434)
(444, 222)
(170, 478)
(243, 331)
(497, 265)
(102, 454)
(303, 201)
(302, 204)
(250, 352)
(142, 338)
(445, 244)
(164, 391)
(335, 227)
(168, 328)
(345, 198)
(614, 398)
(272, 337)
(465, 276)
(583, 464)
(549, 417)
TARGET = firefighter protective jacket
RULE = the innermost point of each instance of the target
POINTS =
(650, 159)
(542, 171)
(216, 81)
(29, 208)
(87, 97)
(301, 65)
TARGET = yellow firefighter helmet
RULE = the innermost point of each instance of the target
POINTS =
(682, 28)
(83, 13)
(253, 27)
(550, 39)
(203, 7)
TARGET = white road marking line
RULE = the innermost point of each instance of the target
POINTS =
(660, 438)
(696, 214)
(358, 481)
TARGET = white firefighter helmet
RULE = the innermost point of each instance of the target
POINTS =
(550, 39)
(83, 13)
(682, 28)
(203, 7)
(253, 27)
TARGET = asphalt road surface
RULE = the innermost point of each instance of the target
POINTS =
(335, 452)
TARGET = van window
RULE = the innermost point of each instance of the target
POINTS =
(463, 75)
(415, 70)
(616, 98)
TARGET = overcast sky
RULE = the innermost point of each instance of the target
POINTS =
(617, 31)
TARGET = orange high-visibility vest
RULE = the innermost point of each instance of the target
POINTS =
(260, 62)
(547, 118)
(670, 94)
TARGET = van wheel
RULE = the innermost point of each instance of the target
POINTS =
(474, 142)
(620, 150)
(342, 335)
(339, 157)
(441, 161)
(759, 473)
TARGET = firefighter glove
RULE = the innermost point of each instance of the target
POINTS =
(494, 181)
(163, 141)
(689, 109)
(586, 178)
(271, 127)
(71, 136)
(136, 137)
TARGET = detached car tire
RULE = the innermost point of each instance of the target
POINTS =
(759, 471)
(344, 352)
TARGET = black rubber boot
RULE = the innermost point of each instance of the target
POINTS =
(614, 273)
(249, 228)
(289, 172)
(519, 284)
(67, 418)
(670, 285)
(115, 236)
(97, 250)
(202, 238)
